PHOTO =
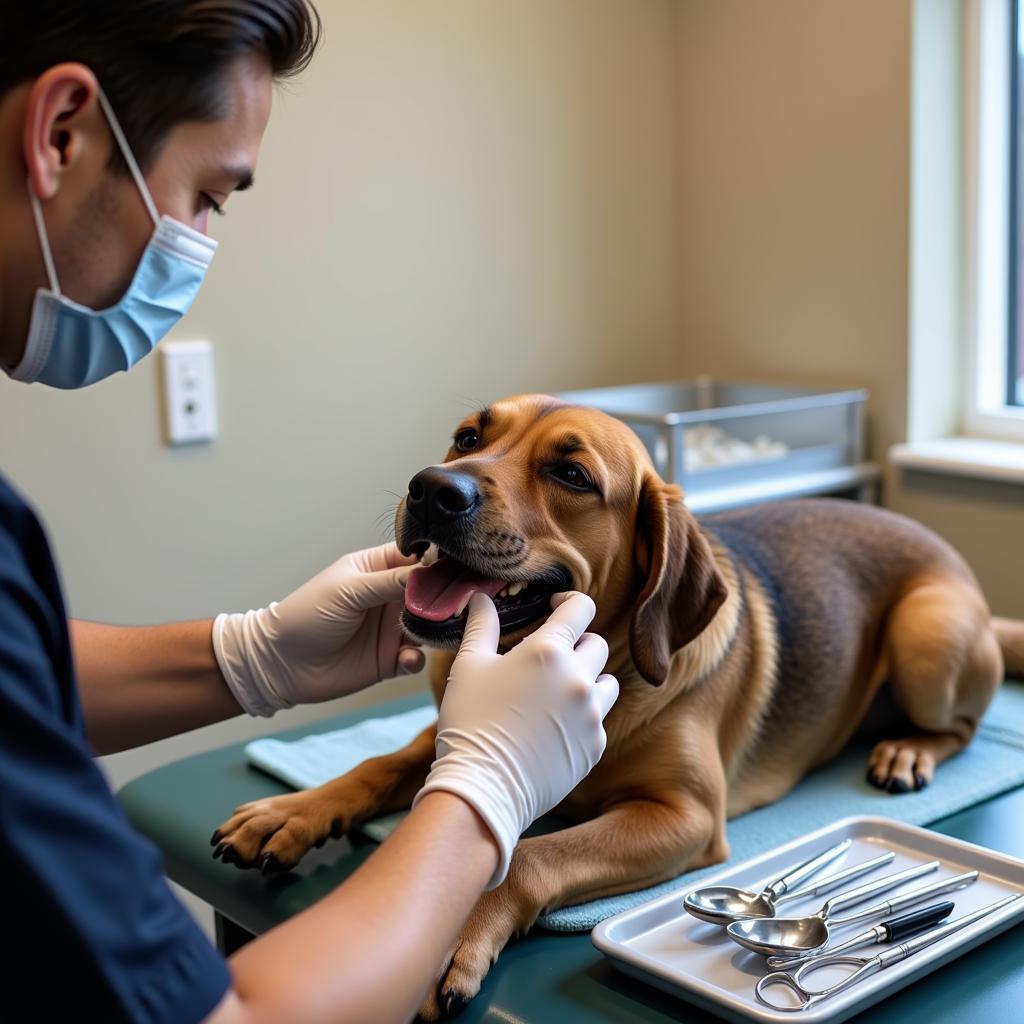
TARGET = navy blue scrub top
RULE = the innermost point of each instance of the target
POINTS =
(91, 931)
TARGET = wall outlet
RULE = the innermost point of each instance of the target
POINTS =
(190, 405)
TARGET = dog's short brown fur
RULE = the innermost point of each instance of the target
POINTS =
(748, 648)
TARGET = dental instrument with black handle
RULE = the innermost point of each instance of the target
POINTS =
(797, 936)
(895, 929)
(865, 938)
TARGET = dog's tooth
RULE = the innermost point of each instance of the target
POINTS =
(504, 592)
(462, 605)
(515, 588)
(430, 556)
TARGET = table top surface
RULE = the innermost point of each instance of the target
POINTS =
(545, 976)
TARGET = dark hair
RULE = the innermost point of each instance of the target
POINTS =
(160, 62)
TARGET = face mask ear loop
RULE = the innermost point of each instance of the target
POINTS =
(129, 157)
(44, 241)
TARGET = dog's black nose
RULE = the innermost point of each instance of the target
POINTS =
(439, 495)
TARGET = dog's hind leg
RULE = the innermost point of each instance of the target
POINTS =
(945, 665)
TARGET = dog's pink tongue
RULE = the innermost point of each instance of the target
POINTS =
(434, 592)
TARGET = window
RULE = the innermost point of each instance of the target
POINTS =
(1015, 320)
(994, 176)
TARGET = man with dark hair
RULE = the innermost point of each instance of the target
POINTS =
(122, 126)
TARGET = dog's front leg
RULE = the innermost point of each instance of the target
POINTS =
(275, 832)
(634, 844)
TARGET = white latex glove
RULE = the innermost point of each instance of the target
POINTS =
(517, 732)
(334, 635)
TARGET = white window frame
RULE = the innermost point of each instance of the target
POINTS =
(987, 181)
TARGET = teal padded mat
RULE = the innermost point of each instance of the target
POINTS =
(991, 764)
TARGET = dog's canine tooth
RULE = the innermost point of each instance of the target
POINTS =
(430, 556)
(515, 588)
(462, 605)
(504, 592)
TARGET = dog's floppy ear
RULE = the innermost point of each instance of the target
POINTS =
(683, 589)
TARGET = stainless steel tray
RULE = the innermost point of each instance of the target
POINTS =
(661, 944)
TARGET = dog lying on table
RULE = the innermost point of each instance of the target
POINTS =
(748, 647)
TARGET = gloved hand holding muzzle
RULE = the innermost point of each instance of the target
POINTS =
(517, 732)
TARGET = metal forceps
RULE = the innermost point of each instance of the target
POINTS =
(864, 966)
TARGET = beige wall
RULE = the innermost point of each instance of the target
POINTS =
(797, 235)
(459, 200)
(792, 202)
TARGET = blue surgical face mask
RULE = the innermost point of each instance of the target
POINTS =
(70, 345)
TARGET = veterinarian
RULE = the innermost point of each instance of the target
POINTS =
(123, 125)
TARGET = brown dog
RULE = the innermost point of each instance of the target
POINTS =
(748, 648)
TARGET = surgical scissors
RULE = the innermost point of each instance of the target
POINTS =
(864, 966)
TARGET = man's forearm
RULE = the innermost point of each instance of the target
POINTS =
(369, 950)
(143, 683)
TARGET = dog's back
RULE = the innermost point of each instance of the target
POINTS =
(819, 559)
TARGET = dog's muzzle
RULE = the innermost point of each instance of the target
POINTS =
(442, 508)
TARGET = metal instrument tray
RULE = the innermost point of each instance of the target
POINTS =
(822, 435)
(661, 944)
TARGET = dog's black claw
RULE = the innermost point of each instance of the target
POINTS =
(454, 1003)
(215, 838)
(269, 864)
(229, 854)
(897, 786)
(875, 780)
(920, 781)
(221, 847)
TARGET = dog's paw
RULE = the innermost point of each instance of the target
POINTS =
(490, 926)
(900, 766)
(276, 832)
(459, 981)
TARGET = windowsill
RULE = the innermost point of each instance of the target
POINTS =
(964, 456)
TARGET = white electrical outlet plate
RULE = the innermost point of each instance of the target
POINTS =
(190, 408)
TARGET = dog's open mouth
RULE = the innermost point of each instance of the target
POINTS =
(437, 595)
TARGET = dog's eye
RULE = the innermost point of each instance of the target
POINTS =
(574, 475)
(466, 440)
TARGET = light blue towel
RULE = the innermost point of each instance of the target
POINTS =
(321, 757)
(991, 764)
(317, 759)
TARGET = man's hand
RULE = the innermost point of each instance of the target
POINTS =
(516, 732)
(334, 635)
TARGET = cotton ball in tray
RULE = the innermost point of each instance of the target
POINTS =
(706, 446)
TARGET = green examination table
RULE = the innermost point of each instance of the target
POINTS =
(545, 977)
